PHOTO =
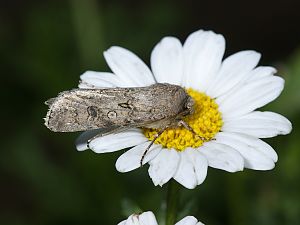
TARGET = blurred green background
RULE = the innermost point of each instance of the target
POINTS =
(46, 45)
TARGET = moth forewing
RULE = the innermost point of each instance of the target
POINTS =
(155, 106)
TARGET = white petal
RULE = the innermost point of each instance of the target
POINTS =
(163, 166)
(200, 164)
(146, 218)
(188, 220)
(256, 74)
(199, 223)
(128, 67)
(203, 52)
(185, 174)
(131, 159)
(256, 143)
(92, 79)
(122, 223)
(259, 124)
(222, 156)
(260, 72)
(234, 70)
(82, 140)
(251, 96)
(254, 158)
(133, 220)
(117, 141)
(167, 61)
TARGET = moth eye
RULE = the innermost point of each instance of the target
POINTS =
(112, 114)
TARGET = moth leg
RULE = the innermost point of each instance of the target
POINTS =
(151, 143)
(186, 126)
(107, 132)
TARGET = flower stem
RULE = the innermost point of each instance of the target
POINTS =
(172, 202)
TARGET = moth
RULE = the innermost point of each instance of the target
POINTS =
(159, 106)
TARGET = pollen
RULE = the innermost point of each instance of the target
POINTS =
(205, 121)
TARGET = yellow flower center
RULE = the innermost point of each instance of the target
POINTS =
(206, 121)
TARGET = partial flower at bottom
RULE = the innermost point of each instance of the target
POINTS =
(226, 93)
(148, 218)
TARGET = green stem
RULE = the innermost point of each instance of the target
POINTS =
(172, 202)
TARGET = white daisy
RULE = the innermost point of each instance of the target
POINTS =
(226, 93)
(148, 218)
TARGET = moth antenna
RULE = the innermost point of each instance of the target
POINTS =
(151, 143)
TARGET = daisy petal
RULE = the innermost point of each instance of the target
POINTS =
(203, 52)
(188, 220)
(199, 223)
(256, 143)
(256, 74)
(260, 72)
(200, 164)
(163, 166)
(234, 69)
(92, 79)
(185, 174)
(117, 141)
(81, 142)
(259, 124)
(222, 156)
(254, 158)
(146, 218)
(167, 61)
(128, 67)
(131, 159)
(251, 96)
(192, 168)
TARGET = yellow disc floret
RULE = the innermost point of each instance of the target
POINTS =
(206, 121)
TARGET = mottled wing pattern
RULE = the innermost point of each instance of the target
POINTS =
(87, 109)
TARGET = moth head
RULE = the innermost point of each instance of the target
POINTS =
(189, 105)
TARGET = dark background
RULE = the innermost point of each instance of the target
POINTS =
(46, 45)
